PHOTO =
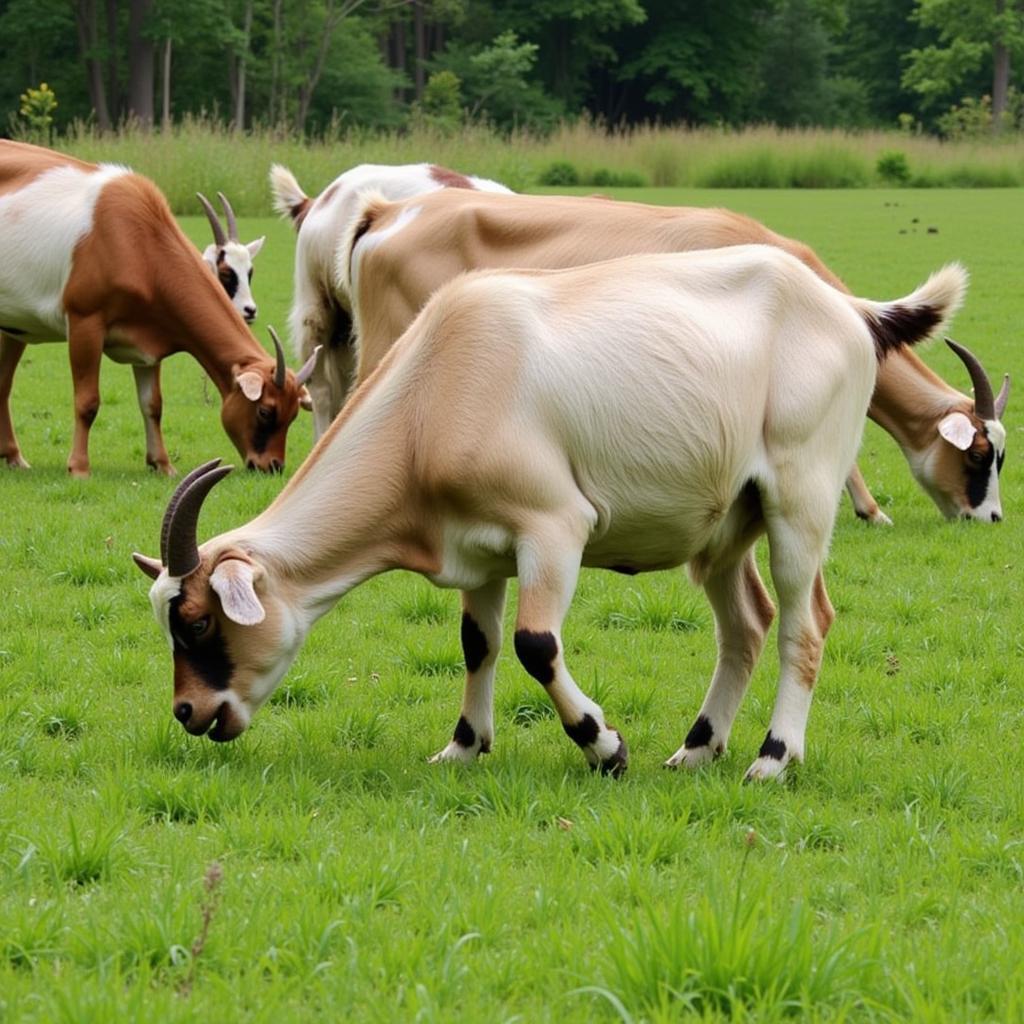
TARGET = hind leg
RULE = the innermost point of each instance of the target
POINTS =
(10, 353)
(743, 612)
(805, 615)
(147, 389)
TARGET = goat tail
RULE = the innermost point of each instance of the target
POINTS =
(920, 314)
(369, 206)
(289, 199)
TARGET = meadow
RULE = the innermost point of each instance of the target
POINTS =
(319, 868)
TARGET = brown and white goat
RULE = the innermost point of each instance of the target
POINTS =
(321, 314)
(92, 254)
(404, 251)
(230, 259)
(630, 415)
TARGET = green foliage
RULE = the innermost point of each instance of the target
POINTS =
(36, 111)
(892, 167)
(561, 172)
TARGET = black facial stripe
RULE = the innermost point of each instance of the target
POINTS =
(978, 475)
(228, 278)
(1000, 459)
(265, 429)
(209, 659)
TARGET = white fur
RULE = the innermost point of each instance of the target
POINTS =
(239, 257)
(318, 293)
(43, 222)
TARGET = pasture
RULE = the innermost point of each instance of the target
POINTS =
(318, 868)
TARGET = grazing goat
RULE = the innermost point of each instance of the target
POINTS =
(630, 415)
(402, 252)
(230, 259)
(91, 253)
(321, 314)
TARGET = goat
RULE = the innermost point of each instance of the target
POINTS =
(93, 254)
(630, 415)
(321, 314)
(231, 260)
(398, 253)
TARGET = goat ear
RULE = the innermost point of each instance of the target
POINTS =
(233, 582)
(958, 430)
(250, 384)
(306, 400)
(254, 247)
(150, 566)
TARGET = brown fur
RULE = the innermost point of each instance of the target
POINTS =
(137, 280)
(449, 179)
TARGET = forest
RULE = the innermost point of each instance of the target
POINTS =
(310, 67)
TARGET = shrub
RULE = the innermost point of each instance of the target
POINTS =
(561, 172)
(892, 167)
(605, 178)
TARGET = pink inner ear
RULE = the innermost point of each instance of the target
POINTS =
(251, 384)
(958, 430)
(232, 580)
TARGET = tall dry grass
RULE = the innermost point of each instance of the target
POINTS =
(202, 155)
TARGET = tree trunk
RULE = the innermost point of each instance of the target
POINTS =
(276, 114)
(420, 35)
(240, 88)
(113, 85)
(165, 121)
(140, 63)
(398, 44)
(85, 19)
(1000, 76)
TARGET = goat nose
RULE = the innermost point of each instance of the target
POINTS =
(996, 517)
(183, 712)
(250, 312)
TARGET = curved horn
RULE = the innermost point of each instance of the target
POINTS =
(182, 548)
(186, 482)
(218, 228)
(984, 404)
(1001, 398)
(230, 215)
(307, 367)
(280, 368)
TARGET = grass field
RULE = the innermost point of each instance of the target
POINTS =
(318, 868)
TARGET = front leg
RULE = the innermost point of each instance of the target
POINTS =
(864, 505)
(147, 388)
(548, 563)
(85, 350)
(10, 352)
(482, 611)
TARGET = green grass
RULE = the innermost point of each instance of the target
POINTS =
(884, 881)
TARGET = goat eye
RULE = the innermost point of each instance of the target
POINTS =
(264, 413)
(199, 627)
(976, 457)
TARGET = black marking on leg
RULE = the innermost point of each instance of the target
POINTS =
(616, 764)
(584, 732)
(474, 643)
(700, 735)
(772, 747)
(861, 515)
(537, 652)
(485, 745)
(464, 733)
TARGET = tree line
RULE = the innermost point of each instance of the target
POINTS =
(311, 66)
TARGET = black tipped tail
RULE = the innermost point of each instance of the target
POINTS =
(909, 320)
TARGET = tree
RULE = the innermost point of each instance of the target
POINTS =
(973, 34)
